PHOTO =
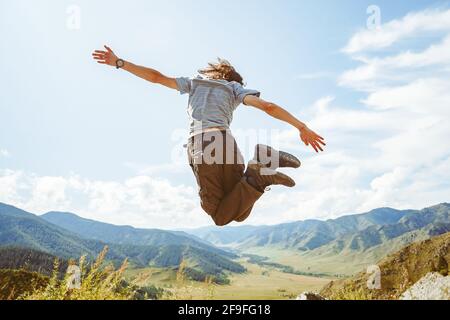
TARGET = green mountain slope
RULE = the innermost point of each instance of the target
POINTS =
(23, 229)
(301, 235)
(126, 235)
(414, 224)
(355, 232)
(19, 228)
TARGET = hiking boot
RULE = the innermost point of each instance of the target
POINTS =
(260, 177)
(264, 154)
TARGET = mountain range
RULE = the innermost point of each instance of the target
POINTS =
(69, 236)
(357, 232)
(339, 246)
(125, 235)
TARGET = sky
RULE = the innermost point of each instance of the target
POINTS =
(372, 77)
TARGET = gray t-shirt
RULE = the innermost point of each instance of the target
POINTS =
(212, 102)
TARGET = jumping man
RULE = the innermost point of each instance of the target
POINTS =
(228, 191)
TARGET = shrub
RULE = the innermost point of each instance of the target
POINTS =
(98, 282)
(15, 283)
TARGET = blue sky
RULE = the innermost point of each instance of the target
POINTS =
(80, 137)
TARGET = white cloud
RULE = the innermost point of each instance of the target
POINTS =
(409, 26)
(9, 185)
(403, 67)
(426, 96)
(141, 201)
(48, 192)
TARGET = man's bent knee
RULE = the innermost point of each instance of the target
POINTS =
(220, 221)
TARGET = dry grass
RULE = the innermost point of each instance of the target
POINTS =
(97, 283)
(185, 289)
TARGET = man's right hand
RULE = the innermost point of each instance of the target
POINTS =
(105, 57)
(310, 138)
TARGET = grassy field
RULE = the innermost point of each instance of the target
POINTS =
(258, 283)
(343, 265)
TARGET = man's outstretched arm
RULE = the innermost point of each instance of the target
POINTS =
(309, 137)
(108, 57)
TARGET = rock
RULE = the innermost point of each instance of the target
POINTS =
(310, 296)
(433, 286)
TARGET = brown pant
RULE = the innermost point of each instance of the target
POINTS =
(219, 168)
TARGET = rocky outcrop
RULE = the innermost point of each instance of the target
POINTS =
(310, 296)
(433, 286)
(398, 272)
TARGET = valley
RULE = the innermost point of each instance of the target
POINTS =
(258, 283)
(246, 262)
(335, 248)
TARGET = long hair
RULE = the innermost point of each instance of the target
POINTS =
(221, 70)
